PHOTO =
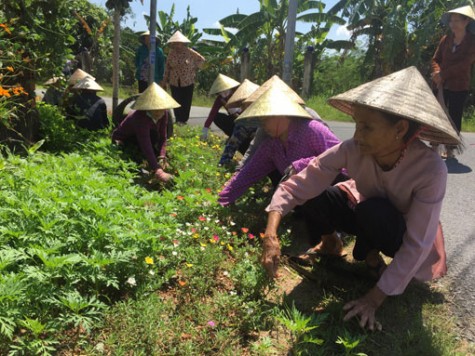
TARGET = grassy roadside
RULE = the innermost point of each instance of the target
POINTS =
(97, 258)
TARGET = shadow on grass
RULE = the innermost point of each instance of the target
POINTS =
(332, 282)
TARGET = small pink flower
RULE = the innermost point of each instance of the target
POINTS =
(216, 238)
(251, 236)
(211, 324)
(193, 230)
(202, 218)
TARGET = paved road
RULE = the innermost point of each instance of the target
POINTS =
(457, 218)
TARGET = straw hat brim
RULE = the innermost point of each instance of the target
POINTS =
(87, 83)
(464, 10)
(155, 98)
(274, 102)
(243, 92)
(404, 93)
(222, 83)
(53, 80)
(274, 81)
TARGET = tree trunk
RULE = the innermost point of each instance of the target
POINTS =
(115, 60)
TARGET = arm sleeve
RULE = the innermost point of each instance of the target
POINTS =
(310, 182)
(159, 65)
(218, 103)
(256, 168)
(437, 58)
(422, 223)
(162, 130)
(144, 140)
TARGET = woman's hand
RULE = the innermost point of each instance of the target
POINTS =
(436, 78)
(270, 257)
(162, 176)
(365, 308)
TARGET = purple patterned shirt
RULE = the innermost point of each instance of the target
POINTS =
(306, 139)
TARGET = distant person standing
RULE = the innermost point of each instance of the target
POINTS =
(452, 65)
(180, 71)
(142, 62)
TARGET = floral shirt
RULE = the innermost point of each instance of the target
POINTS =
(181, 66)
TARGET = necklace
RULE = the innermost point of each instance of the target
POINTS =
(387, 168)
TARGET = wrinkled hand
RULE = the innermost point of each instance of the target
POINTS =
(162, 176)
(270, 257)
(204, 134)
(365, 308)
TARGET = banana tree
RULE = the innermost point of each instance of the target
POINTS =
(264, 31)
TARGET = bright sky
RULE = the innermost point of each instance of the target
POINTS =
(208, 12)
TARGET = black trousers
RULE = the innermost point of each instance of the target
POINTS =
(143, 84)
(375, 222)
(184, 96)
(225, 122)
(455, 101)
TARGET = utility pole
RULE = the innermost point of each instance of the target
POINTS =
(153, 40)
(289, 42)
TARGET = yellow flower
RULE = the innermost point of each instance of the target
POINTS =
(196, 235)
(230, 248)
(189, 265)
(149, 260)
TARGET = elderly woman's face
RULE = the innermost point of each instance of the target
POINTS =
(374, 134)
(276, 126)
(157, 114)
(458, 23)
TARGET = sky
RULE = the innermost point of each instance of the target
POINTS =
(209, 12)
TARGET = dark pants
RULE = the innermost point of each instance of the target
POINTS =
(184, 96)
(455, 101)
(375, 222)
(143, 84)
(225, 122)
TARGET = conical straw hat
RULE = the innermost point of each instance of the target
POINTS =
(53, 80)
(77, 76)
(274, 81)
(243, 92)
(222, 83)
(464, 10)
(274, 102)
(178, 37)
(87, 83)
(404, 93)
(155, 98)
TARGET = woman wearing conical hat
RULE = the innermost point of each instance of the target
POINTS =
(393, 200)
(294, 140)
(146, 126)
(180, 71)
(87, 108)
(223, 87)
(142, 65)
(452, 64)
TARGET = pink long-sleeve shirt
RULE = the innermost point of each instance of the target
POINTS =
(306, 139)
(416, 187)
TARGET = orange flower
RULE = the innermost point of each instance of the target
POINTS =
(5, 27)
(19, 91)
(245, 230)
(10, 69)
(4, 92)
(182, 283)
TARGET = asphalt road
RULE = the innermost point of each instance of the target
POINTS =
(457, 219)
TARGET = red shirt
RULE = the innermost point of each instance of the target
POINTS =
(455, 62)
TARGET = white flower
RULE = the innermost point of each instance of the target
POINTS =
(151, 272)
(174, 253)
(226, 273)
(232, 223)
(131, 281)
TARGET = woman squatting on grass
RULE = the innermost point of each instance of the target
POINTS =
(393, 199)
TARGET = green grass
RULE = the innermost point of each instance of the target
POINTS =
(96, 256)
